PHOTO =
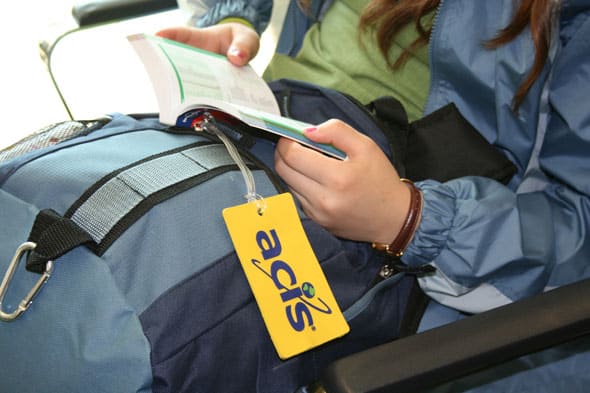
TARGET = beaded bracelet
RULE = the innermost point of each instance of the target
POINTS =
(406, 233)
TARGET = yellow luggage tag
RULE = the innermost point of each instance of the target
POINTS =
(290, 288)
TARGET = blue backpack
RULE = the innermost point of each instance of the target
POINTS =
(131, 281)
(120, 274)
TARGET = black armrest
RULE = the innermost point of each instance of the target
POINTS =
(443, 354)
(100, 11)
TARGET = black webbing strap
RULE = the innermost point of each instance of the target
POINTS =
(415, 308)
(54, 235)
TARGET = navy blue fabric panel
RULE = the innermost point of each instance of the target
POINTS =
(207, 334)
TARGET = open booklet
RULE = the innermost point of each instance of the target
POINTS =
(187, 79)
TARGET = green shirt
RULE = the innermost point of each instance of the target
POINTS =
(332, 56)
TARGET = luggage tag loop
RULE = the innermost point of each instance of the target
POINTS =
(206, 122)
(28, 299)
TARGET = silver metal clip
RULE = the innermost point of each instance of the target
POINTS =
(28, 299)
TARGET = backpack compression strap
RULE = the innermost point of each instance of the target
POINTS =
(53, 236)
(117, 200)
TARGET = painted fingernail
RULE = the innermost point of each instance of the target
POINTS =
(310, 129)
(237, 53)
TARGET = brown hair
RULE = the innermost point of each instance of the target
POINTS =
(388, 17)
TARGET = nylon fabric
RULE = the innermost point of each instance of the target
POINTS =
(53, 236)
(156, 243)
(117, 197)
(78, 319)
(146, 312)
(204, 321)
(545, 226)
(121, 148)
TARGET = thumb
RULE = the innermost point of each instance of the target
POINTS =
(237, 55)
(340, 135)
(244, 45)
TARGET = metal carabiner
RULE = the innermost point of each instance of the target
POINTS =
(27, 300)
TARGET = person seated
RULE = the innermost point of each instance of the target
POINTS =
(516, 70)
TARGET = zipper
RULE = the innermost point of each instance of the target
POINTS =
(431, 44)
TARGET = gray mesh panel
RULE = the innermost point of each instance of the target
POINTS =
(210, 156)
(162, 172)
(118, 196)
(105, 208)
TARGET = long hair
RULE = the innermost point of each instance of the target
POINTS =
(388, 17)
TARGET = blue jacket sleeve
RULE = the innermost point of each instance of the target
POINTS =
(492, 244)
(210, 12)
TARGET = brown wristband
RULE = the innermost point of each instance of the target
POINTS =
(406, 233)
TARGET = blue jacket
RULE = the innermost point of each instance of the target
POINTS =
(493, 244)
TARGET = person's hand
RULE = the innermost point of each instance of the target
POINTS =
(238, 42)
(360, 198)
